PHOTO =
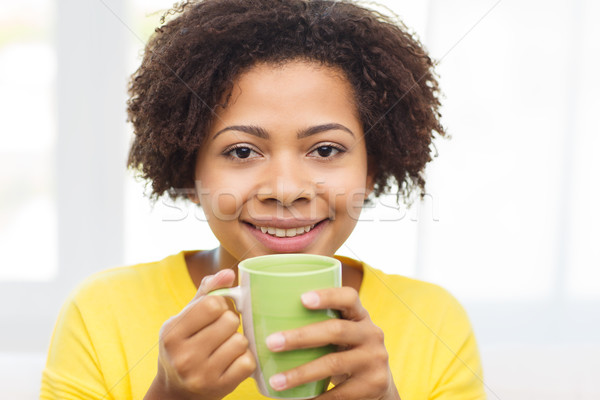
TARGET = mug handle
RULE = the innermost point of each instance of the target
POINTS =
(234, 293)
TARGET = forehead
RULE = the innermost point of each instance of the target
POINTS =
(292, 88)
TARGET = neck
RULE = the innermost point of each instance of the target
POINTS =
(209, 262)
(222, 259)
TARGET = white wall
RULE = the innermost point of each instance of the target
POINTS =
(510, 225)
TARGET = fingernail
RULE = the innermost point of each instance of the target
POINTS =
(278, 382)
(310, 299)
(275, 341)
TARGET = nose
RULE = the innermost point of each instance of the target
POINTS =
(287, 183)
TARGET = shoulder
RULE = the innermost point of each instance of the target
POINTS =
(145, 284)
(426, 329)
(418, 291)
(115, 279)
(388, 289)
(411, 299)
(107, 302)
(405, 288)
(108, 321)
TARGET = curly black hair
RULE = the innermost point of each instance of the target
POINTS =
(191, 61)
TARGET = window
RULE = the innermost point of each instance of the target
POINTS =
(27, 197)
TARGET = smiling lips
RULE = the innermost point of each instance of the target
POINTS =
(287, 238)
(280, 232)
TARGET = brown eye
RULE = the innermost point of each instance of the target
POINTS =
(325, 151)
(242, 152)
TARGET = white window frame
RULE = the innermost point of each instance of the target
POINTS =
(91, 49)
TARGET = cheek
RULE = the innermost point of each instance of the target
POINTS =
(347, 196)
(220, 192)
(221, 204)
(350, 203)
(228, 204)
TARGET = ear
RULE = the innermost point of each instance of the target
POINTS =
(193, 186)
(193, 197)
(192, 193)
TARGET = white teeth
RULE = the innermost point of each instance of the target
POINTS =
(280, 232)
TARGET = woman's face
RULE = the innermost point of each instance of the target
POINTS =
(284, 166)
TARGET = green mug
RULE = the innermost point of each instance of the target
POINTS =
(268, 299)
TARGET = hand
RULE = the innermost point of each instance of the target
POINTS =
(360, 370)
(201, 354)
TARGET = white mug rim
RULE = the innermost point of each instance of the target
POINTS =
(329, 264)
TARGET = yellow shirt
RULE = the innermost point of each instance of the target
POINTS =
(105, 342)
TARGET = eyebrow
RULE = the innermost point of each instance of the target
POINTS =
(301, 134)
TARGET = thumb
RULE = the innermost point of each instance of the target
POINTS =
(222, 279)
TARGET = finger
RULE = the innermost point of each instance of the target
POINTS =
(241, 368)
(321, 368)
(202, 310)
(214, 335)
(197, 315)
(232, 348)
(221, 279)
(344, 299)
(334, 331)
